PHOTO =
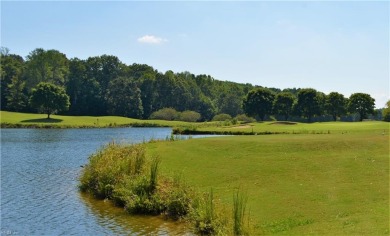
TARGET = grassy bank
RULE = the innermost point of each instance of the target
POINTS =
(29, 120)
(334, 184)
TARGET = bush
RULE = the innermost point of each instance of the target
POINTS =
(165, 114)
(189, 116)
(222, 117)
(245, 119)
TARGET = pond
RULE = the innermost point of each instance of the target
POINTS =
(39, 179)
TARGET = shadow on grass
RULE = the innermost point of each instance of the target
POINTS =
(42, 120)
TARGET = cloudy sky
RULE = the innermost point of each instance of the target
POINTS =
(329, 46)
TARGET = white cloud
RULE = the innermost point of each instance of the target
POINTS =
(151, 39)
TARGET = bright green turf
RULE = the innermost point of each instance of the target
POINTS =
(306, 128)
(80, 121)
(335, 184)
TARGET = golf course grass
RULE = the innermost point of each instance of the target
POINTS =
(335, 184)
(29, 120)
(280, 127)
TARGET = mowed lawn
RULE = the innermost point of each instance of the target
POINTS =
(80, 121)
(303, 128)
(334, 184)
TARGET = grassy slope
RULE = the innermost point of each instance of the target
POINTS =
(305, 184)
(79, 121)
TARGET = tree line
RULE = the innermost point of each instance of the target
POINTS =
(103, 85)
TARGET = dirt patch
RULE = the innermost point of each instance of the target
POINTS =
(283, 123)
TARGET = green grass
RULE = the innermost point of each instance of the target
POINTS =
(16, 119)
(335, 184)
(300, 128)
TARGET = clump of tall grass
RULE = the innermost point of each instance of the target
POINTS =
(109, 167)
(240, 214)
(208, 218)
(125, 175)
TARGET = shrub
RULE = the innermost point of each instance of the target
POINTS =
(189, 116)
(165, 114)
(222, 117)
(245, 119)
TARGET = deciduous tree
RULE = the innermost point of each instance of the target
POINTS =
(49, 98)
(361, 103)
(335, 105)
(258, 102)
(309, 103)
(283, 104)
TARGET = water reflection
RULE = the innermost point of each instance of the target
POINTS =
(121, 223)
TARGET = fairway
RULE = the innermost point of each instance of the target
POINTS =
(296, 184)
(301, 128)
(58, 121)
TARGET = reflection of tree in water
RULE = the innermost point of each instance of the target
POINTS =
(121, 223)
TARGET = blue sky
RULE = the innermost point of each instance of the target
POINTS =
(329, 46)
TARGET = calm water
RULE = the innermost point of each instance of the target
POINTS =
(39, 178)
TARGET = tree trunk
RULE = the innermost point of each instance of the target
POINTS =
(48, 115)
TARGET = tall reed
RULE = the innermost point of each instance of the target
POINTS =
(154, 173)
(239, 212)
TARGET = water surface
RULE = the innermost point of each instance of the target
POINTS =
(39, 178)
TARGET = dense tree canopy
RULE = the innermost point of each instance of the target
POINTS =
(103, 85)
(124, 98)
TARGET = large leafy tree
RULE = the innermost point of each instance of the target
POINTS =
(124, 98)
(49, 66)
(361, 103)
(283, 104)
(309, 103)
(336, 105)
(49, 98)
(258, 102)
